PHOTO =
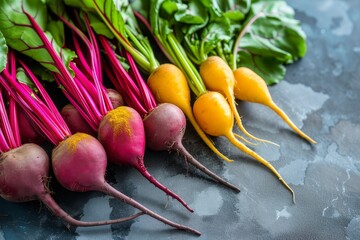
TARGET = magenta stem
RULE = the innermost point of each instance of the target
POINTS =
(148, 97)
(82, 61)
(5, 124)
(142, 169)
(14, 123)
(46, 98)
(107, 189)
(130, 84)
(35, 109)
(59, 212)
(101, 104)
(66, 80)
(127, 88)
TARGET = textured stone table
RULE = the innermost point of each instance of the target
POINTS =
(320, 93)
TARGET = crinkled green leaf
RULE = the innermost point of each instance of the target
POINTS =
(279, 27)
(242, 6)
(3, 52)
(192, 13)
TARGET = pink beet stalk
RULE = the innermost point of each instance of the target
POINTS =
(79, 161)
(24, 169)
(165, 123)
(91, 90)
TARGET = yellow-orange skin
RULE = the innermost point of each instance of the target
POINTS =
(218, 76)
(206, 111)
(169, 85)
(214, 115)
(250, 87)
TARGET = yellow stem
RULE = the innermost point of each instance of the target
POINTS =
(258, 158)
(283, 115)
(231, 101)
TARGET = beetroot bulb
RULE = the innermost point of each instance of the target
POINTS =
(78, 161)
(90, 98)
(74, 154)
(115, 98)
(24, 169)
(164, 123)
(75, 121)
(24, 175)
(122, 134)
(165, 127)
(27, 129)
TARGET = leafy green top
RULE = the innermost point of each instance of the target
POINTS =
(260, 34)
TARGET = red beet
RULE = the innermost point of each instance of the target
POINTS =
(75, 121)
(164, 128)
(115, 98)
(24, 175)
(122, 134)
(77, 170)
(28, 132)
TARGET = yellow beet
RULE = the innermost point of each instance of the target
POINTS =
(215, 117)
(252, 88)
(169, 85)
(218, 76)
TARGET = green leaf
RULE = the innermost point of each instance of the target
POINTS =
(23, 78)
(20, 34)
(270, 69)
(42, 73)
(119, 18)
(275, 38)
(56, 29)
(3, 52)
(141, 7)
(99, 26)
(193, 13)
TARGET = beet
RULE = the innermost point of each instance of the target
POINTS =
(122, 134)
(24, 176)
(77, 170)
(164, 128)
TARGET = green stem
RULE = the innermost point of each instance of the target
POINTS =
(241, 35)
(195, 82)
(137, 55)
(220, 51)
(139, 46)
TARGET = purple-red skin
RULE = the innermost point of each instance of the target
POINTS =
(164, 128)
(75, 121)
(115, 98)
(122, 134)
(24, 175)
(28, 133)
(77, 170)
